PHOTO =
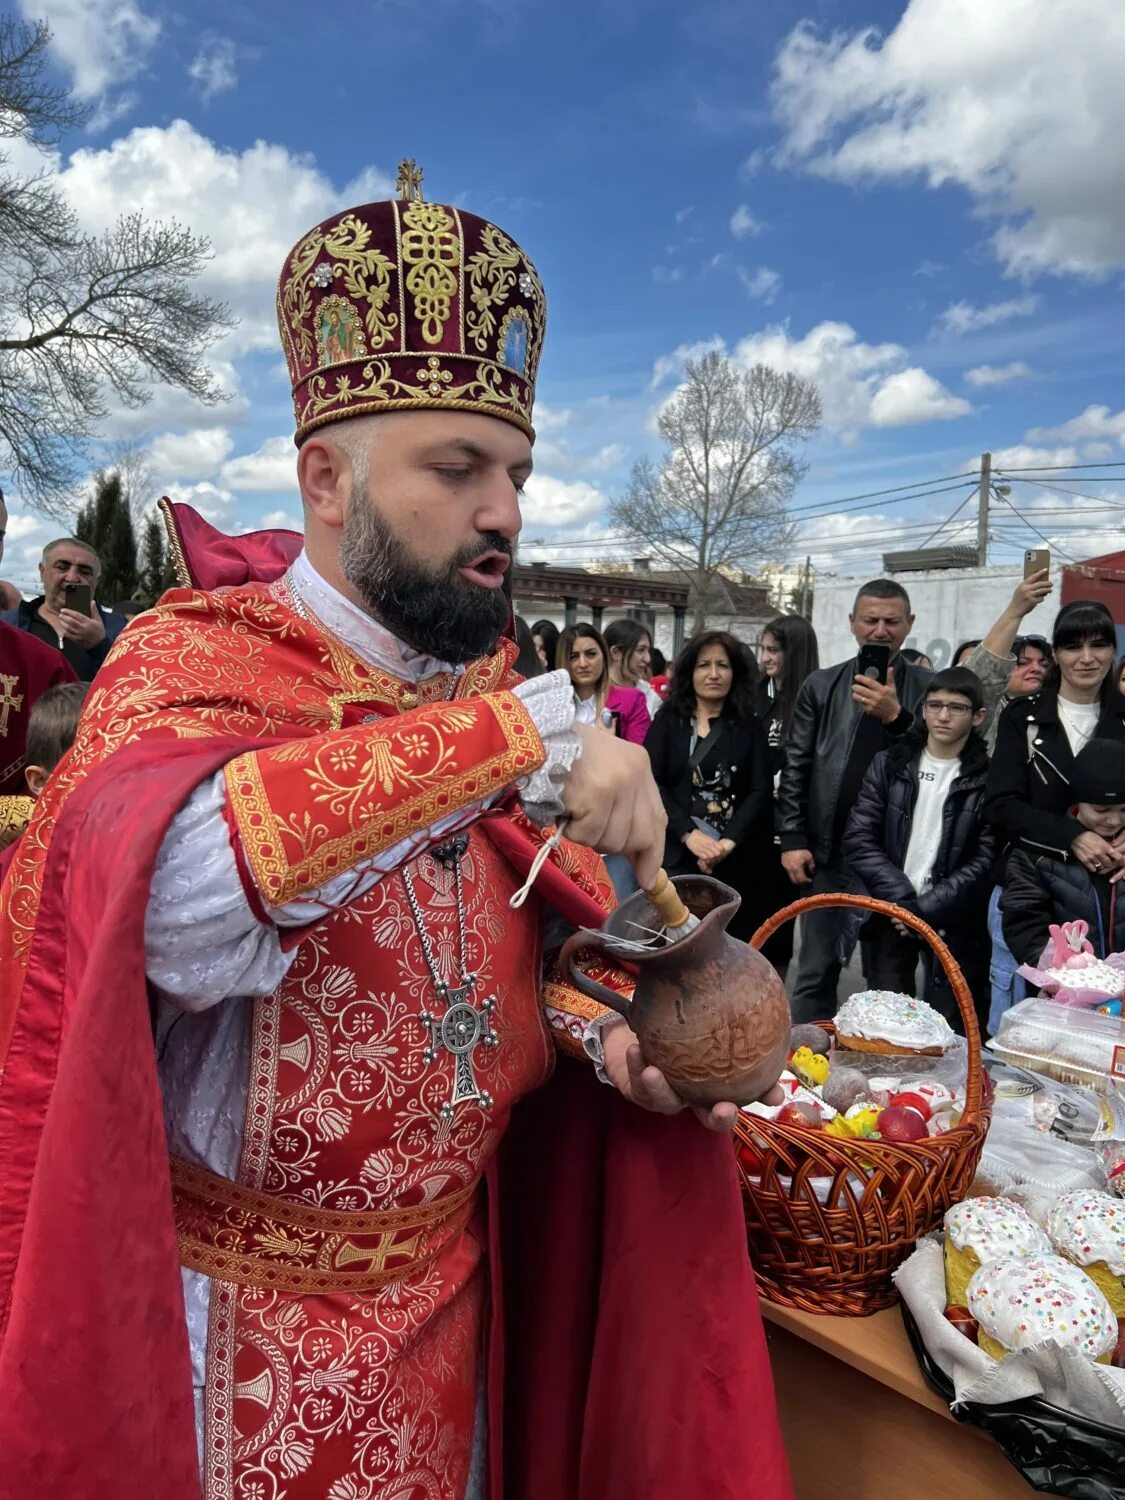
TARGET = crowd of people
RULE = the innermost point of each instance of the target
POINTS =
(937, 791)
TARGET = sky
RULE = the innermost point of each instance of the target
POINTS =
(918, 206)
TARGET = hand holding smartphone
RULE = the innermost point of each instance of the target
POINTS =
(79, 598)
(1036, 560)
(874, 661)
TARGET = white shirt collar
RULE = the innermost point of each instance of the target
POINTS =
(371, 642)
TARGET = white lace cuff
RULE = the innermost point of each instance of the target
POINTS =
(550, 702)
(593, 1045)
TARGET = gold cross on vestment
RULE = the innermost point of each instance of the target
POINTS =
(408, 184)
(10, 700)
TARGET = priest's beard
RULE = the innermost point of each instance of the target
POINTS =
(434, 610)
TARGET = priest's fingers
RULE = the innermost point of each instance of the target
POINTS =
(720, 1117)
(651, 823)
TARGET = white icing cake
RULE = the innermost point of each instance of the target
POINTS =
(1021, 1302)
(883, 1016)
(995, 1227)
(1089, 1228)
(1094, 975)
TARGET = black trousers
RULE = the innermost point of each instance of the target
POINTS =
(890, 961)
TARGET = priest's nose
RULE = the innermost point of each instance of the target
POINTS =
(499, 509)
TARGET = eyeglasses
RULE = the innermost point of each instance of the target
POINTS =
(955, 710)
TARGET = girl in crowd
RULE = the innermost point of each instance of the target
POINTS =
(788, 652)
(1037, 740)
(630, 659)
(583, 653)
(711, 763)
(546, 638)
(528, 663)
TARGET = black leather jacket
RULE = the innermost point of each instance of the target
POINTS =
(825, 716)
(1039, 891)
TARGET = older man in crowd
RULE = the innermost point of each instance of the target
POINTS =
(841, 720)
(82, 632)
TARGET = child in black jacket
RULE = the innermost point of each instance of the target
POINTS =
(917, 837)
(1047, 888)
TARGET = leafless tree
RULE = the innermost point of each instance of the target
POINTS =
(718, 497)
(131, 462)
(85, 320)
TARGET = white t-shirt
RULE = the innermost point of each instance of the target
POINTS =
(1079, 720)
(935, 777)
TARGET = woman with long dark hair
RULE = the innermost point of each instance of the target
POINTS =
(788, 652)
(583, 653)
(545, 635)
(710, 760)
(630, 659)
(1037, 740)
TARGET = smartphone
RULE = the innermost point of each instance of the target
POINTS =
(79, 598)
(874, 662)
(1036, 560)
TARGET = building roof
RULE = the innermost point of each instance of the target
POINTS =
(640, 586)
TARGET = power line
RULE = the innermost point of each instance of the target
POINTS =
(1052, 468)
(1005, 501)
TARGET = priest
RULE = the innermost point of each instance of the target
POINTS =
(286, 1209)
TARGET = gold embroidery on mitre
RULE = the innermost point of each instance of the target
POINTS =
(431, 247)
(492, 275)
(366, 273)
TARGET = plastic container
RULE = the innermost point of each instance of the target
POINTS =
(1063, 1042)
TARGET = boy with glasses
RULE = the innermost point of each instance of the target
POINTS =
(916, 836)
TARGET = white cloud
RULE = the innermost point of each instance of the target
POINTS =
(962, 317)
(671, 364)
(743, 223)
(666, 275)
(762, 283)
(252, 205)
(100, 42)
(271, 469)
(213, 67)
(986, 375)
(861, 385)
(1095, 423)
(213, 504)
(279, 519)
(189, 455)
(929, 269)
(1019, 102)
(1025, 456)
(684, 213)
(914, 396)
(551, 418)
(550, 502)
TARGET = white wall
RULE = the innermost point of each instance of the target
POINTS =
(949, 607)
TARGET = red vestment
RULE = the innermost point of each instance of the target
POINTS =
(27, 669)
(626, 1353)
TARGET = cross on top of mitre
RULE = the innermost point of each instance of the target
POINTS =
(408, 184)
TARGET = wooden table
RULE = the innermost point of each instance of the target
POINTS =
(861, 1422)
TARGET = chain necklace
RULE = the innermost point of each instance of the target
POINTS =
(1070, 722)
(462, 1026)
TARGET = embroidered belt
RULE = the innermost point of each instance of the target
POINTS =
(238, 1234)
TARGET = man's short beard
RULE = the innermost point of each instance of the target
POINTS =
(434, 610)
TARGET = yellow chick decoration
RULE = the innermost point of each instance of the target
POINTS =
(845, 1129)
(863, 1121)
(810, 1067)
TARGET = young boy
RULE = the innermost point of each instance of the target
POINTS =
(1039, 890)
(916, 837)
(51, 727)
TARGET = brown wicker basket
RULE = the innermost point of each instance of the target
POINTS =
(838, 1256)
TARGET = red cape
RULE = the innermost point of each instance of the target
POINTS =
(36, 667)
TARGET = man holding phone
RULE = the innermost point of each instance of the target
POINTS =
(66, 615)
(842, 718)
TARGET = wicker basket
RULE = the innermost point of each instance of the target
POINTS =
(837, 1256)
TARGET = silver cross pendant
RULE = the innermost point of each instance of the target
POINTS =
(459, 1031)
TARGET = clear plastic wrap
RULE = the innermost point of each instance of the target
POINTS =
(1064, 1043)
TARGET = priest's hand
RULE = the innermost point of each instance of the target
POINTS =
(648, 1087)
(612, 803)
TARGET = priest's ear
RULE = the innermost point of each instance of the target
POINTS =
(330, 463)
(36, 778)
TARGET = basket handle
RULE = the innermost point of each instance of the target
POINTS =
(961, 991)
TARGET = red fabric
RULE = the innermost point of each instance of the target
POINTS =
(644, 1371)
(216, 561)
(35, 667)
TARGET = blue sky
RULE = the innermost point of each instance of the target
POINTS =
(917, 205)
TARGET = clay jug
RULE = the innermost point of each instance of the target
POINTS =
(709, 1011)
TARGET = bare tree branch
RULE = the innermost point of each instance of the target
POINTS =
(718, 499)
(85, 320)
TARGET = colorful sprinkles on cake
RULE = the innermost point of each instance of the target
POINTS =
(1088, 1227)
(1021, 1302)
(995, 1227)
(883, 1015)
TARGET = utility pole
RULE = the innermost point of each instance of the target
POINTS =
(982, 509)
(805, 588)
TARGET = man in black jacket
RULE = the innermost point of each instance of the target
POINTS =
(840, 723)
(82, 638)
(1041, 889)
(917, 836)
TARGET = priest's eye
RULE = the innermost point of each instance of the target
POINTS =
(454, 474)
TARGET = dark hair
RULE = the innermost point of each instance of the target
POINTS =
(797, 639)
(626, 635)
(659, 662)
(527, 663)
(53, 723)
(961, 649)
(740, 704)
(548, 633)
(882, 588)
(1080, 621)
(957, 680)
(1037, 642)
(584, 632)
(915, 657)
(1120, 667)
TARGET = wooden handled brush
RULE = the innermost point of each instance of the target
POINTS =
(678, 921)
